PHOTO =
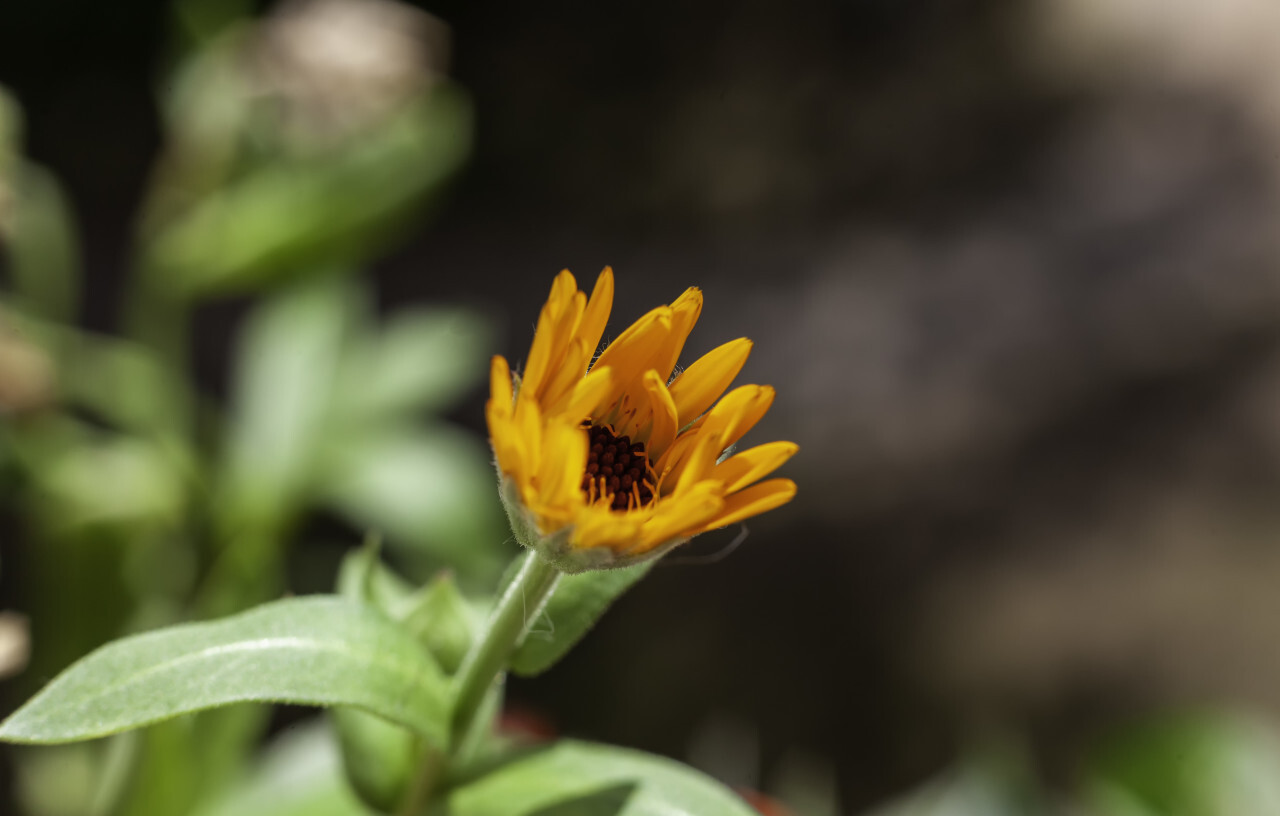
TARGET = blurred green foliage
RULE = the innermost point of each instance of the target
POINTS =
(287, 166)
(144, 502)
(1206, 763)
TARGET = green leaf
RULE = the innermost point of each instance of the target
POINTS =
(443, 621)
(286, 217)
(484, 743)
(574, 778)
(154, 770)
(144, 485)
(319, 650)
(285, 368)
(44, 253)
(355, 573)
(380, 757)
(578, 602)
(60, 781)
(300, 774)
(430, 490)
(123, 381)
(363, 577)
(1193, 764)
(437, 614)
(422, 360)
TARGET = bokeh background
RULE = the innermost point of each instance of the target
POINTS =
(1013, 268)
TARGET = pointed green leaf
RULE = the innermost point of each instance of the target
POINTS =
(586, 779)
(319, 651)
(578, 602)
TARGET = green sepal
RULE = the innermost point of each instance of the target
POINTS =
(557, 548)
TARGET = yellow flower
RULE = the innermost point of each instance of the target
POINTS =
(610, 462)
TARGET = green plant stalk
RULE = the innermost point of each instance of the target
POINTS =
(506, 628)
(516, 610)
(429, 773)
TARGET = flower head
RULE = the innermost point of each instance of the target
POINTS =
(606, 460)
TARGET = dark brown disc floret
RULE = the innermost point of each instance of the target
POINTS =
(617, 467)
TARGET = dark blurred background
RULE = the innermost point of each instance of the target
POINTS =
(1012, 267)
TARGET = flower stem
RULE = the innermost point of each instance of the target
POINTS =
(519, 606)
(433, 764)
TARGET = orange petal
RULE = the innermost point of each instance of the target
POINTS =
(556, 322)
(695, 467)
(738, 411)
(753, 501)
(703, 382)
(684, 314)
(564, 461)
(562, 346)
(528, 426)
(600, 527)
(591, 327)
(735, 414)
(630, 356)
(680, 516)
(631, 411)
(573, 364)
(672, 456)
(631, 352)
(539, 354)
(505, 440)
(753, 464)
(586, 396)
(662, 411)
(500, 384)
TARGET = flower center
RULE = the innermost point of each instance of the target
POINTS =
(617, 469)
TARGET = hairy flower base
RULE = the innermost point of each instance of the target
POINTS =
(558, 549)
(609, 461)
